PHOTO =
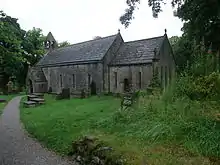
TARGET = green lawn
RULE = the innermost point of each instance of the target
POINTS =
(8, 98)
(160, 133)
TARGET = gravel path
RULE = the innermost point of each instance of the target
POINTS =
(16, 148)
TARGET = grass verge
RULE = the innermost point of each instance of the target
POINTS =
(154, 131)
(6, 97)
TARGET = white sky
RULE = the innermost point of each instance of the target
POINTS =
(81, 20)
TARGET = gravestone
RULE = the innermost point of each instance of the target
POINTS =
(2, 100)
(65, 94)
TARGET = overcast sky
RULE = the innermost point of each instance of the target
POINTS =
(81, 20)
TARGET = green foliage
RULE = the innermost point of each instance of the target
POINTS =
(199, 88)
(155, 82)
(155, 5)
(58, 123)
(33, 45)
(183, 50)
(11, 59)
(181, 122)
(63, 44)
(201, 19)
(184, 124)
(17, 49)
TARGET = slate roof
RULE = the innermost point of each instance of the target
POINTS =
(88, 51)
(136, 52)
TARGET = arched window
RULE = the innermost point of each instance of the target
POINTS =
(61, 81)
(116, 79)
(139, 80)
(74, 81)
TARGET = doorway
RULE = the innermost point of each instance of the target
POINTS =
(93, 88)
(126, 85)
(30, 86)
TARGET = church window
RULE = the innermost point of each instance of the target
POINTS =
(74, 81)
(139, 80)
(61, 81)
(89, 80)
(116, 79)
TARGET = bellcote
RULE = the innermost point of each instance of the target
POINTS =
(50, 42)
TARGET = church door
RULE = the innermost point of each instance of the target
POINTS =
(126, 85)
(93, 88)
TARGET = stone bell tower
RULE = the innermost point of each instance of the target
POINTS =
(50, 42)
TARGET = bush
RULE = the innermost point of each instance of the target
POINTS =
(199, 88)
(91, 151)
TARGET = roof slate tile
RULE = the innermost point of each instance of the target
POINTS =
(93, 50)
(141, 51)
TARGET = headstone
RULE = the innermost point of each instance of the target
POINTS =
(65, 94)
(2, 100)
(10, 86)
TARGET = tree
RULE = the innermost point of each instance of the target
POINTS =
(202, 21)
(11, 59)
(201, 25)
(63, 44)
(183, 50)
(201, 18)
(33, 45)
(18, 49)
(97, 37)
(154, 4)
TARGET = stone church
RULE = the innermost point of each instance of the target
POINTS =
(102, 65)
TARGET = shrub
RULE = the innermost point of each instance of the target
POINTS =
(199, 88)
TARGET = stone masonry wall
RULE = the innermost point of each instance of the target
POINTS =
(81, 72)
(108, 58)
(126, 72)
(166, 64)
(38, 80)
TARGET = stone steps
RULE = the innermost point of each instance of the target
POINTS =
(34, 100)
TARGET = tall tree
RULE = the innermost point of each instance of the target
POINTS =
(154, 4)
(18, 49)
(33, 45)
(201, 17)
(11, 58)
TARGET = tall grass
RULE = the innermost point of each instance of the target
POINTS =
(168, 120)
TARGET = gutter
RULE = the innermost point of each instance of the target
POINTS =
(69, 63)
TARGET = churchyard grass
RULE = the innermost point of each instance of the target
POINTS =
(153, 131)
(7, 98)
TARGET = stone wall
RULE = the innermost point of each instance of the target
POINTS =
(37, 80)
(130, 72)
(108, 58)
(63, 77)
(166, 64)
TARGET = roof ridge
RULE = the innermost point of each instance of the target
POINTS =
(85, 42)
(145, 39)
